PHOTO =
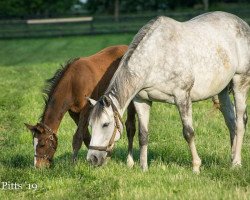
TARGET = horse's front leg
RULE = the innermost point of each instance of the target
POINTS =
(184, 105)
(130, 128)
(142, 108)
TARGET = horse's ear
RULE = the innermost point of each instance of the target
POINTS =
(106, 101)
(30, 127)
(91, 101)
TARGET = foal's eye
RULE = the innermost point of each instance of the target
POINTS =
(105, 125)
(42, 144)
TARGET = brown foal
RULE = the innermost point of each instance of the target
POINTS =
(67, 91)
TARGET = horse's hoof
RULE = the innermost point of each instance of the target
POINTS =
(196, 169)
(236, 164)
(144, 168)
(130, 162)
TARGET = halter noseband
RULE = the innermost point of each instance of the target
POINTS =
(117, 117)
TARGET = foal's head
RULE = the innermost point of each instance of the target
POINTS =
(45, 144)
(106, 126)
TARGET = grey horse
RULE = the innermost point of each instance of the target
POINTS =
(177, 63)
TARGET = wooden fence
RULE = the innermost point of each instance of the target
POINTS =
(86, 25)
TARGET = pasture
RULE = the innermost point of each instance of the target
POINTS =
(24, 66)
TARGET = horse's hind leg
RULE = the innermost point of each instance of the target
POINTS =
(240, 90)
(142, 108)
(130, 128)
(184, 105)
(227, 110)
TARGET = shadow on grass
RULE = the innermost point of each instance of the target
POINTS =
(166, 156)
(17, 161)
(213, 167)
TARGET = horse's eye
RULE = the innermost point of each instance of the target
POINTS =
(105, 125)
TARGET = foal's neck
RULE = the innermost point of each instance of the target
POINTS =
(58, 104)
(53, 116)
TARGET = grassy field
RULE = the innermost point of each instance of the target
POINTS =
(25, 64)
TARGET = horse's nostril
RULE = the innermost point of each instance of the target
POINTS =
(94, 160)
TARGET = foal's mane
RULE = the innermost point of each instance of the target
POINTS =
(52, 83)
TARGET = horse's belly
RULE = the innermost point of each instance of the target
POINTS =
(154, 94)
(207, 86)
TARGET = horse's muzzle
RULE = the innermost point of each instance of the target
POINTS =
(96, 158)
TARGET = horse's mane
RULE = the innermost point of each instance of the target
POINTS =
(51, 83)
(137, 39)
(119, 78)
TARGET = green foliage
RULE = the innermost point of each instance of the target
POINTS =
(24, 66)
(33, 8)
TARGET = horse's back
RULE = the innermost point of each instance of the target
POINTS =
(205, 52)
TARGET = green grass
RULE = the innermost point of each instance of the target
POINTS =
(25, 64)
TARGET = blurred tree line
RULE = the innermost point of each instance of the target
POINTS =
(48, 8)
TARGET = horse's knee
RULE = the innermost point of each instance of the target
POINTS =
(188, 133)
(143, 137)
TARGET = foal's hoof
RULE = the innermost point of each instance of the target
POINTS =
(130, 162)
(74, 160)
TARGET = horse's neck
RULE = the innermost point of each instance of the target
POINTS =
(125, 85)
(57, 105)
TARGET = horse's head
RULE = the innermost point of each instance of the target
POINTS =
(45, 144)
(106, 126)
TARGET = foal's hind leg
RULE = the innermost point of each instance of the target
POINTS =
(130, 128)
(184, 104)
(240, 90)
(227, 110)
(142, 108)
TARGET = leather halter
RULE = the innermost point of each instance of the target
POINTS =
(52, 134)
(109, 147)
(48, 129)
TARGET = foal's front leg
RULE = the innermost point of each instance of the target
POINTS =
(81, 134)
(142, 108)
(130, 129)
(184, 104)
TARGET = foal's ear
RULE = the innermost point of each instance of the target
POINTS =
(91, 101)
(30, 127)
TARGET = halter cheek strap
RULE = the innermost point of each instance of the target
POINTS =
(52, 135)
(109, 147)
